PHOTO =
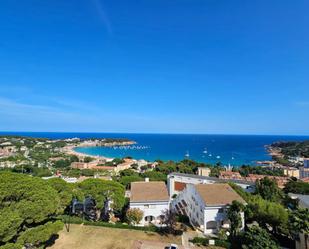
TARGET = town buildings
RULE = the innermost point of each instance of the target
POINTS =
(99, 165)
(203, 171)
(281, 180)
(151, 198)
(291, 172)
(230, 175)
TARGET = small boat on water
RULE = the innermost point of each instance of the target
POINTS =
(205, 151)
(209, 155)
(218, 157)
(187, 155)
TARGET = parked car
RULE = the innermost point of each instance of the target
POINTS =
(172, 246)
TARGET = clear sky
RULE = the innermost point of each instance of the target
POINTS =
(185, 66)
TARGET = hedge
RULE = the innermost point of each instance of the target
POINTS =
(78, 220)
(205, 242)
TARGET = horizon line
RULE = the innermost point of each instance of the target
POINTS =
(159, 133)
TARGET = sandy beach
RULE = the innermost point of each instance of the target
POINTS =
(70, 150)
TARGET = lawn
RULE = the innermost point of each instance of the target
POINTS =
(84, 237)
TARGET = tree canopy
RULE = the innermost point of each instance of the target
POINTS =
(134, 216)
(257, 238)
(268, 213)
(64, 190)
(102, 190)
(25, 203)
(234, 216)
(296, 187)
(299, 221)
(268, 189)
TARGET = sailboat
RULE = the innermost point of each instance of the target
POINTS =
(218, 157)
(187, 155)
(205, 151)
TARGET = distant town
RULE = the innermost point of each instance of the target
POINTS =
(194, 204)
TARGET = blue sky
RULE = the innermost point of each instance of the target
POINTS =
(185, 66)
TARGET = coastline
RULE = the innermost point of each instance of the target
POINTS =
(231, 149)
(70, 150)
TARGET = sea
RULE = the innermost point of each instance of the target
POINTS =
(235, 150)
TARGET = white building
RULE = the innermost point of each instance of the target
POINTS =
(176, 182)
(150, 197)
(203, 171)
(206, 205)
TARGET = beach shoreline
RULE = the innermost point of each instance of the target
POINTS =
(70, 150)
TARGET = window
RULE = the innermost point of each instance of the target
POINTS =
(149, 218)
(221, 210)
(211, 225)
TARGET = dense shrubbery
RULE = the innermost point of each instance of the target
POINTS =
(272, 216)
(245, 170)
(202, 241)
(253, 238)
(297, 187)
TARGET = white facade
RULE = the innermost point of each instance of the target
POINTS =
(207, 218)
(151, 198)
(184, 178)
(174, 179)
(152, 211)
(202, 171)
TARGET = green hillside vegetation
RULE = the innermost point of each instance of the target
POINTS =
(268, 207)
(293, 148)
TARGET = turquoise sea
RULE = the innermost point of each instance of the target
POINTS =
(233, 149)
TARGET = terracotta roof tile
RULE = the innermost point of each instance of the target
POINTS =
(148, 191)
(217, 194)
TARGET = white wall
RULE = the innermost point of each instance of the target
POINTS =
(171, 179)
(199, 213)
(150, 209)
